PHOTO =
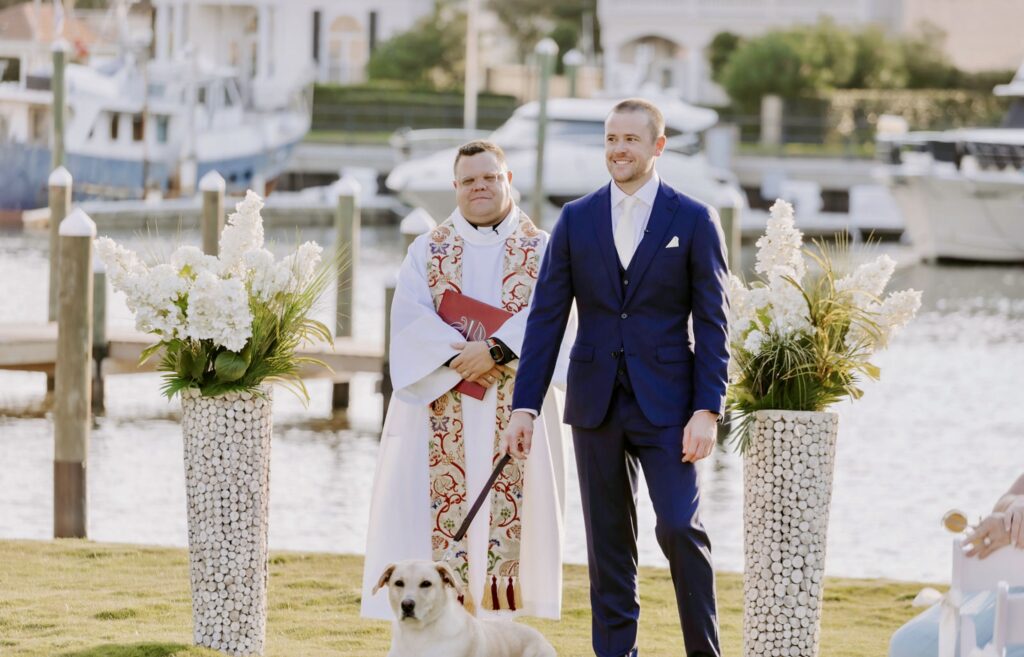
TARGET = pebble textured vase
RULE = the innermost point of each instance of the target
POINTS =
(787, 492)
(227, 479)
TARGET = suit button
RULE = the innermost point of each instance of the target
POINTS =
(624, 315)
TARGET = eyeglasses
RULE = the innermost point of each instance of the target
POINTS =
(488, 179)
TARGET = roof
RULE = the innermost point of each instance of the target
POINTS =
(678, 114)
(23, 23)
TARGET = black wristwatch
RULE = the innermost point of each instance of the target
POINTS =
(495, 349)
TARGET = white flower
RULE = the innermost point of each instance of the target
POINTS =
(266, 278)
(243, 233)
(302, 264)
(890, 316)
(121, 263)
(789, 313)
(218, 310)
(195, 260)
(779, 249)
(754, 341)
(868, 281)
(896, 312)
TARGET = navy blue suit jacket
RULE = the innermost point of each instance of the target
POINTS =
(645, 316)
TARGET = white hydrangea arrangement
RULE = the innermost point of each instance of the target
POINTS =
(801, 340)
(227, 322)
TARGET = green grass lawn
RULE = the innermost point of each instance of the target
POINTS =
(83, 599)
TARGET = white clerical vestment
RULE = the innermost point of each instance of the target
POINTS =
(400, 518)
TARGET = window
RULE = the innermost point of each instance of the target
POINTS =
(162, 124)
(138, 127)
(114, 118)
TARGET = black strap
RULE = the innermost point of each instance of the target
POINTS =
(481, 497)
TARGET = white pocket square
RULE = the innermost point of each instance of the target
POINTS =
(673, 243)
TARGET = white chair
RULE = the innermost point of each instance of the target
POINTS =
(1008, 629)
(973, 579)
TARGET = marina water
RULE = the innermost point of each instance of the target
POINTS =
(943, 428)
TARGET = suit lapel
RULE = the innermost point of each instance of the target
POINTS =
(665, 205)
(602, 214)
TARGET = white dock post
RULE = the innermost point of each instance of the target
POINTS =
(212, 187)
(72, 415)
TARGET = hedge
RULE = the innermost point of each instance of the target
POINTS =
(382, 107)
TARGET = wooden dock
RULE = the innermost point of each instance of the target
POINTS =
(33, 347)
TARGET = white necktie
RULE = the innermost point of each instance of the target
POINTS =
(625, 232)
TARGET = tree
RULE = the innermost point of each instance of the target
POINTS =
(927, 65)
(529, 21)
(720, 50)
(828, 52)
(431, 54)
(770, 64)
(878, 63)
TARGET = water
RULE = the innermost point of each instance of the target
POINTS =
(942, 429)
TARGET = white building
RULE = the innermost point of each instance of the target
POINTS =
(284, 39)
(664, 41)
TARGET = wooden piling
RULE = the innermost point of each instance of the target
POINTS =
(58, 107)
(212, 187)
(732, 231)
(60, 204)
(346, 245)
(72, 416)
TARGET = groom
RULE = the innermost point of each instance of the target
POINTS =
(641, 260)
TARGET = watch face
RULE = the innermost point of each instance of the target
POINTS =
(496, 352)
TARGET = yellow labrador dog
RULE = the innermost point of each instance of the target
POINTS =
(430, 621)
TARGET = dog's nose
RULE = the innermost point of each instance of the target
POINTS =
(408, 606)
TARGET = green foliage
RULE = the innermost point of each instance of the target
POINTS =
(770, 64)
(828, 52)
(529, 21)
(878, 63)
(928, 66)
(721, 48)
(924, 109)
(431, 54)
(388, 104)
(816, 60)
(806, 371)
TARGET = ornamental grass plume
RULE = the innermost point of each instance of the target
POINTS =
(801, 340)
(226, 323)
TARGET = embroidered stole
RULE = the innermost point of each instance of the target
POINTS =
(449, 499)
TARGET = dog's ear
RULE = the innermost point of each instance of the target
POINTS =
(385, 577)
(448, 577)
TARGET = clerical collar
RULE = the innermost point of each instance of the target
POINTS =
(494, 227)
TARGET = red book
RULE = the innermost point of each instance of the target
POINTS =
(476, 321)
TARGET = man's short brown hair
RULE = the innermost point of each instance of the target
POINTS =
(478, 146)
(654, 115)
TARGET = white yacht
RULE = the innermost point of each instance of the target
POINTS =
(574, 158)
(136, 127)
(961, 192)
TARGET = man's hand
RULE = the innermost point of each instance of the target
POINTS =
(492, 376)
(518, 435)
(699, 436)
(473, 362)
(991, 534)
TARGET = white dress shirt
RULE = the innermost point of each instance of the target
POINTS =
(644, 198)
